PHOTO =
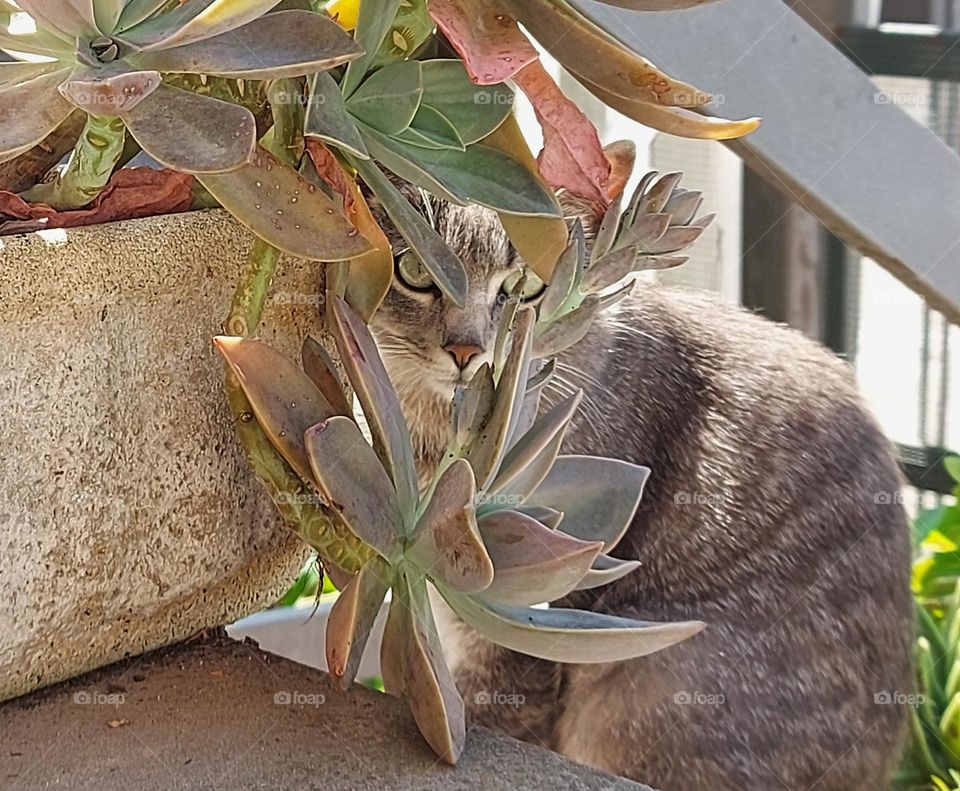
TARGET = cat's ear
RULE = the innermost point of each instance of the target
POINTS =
(622, 155)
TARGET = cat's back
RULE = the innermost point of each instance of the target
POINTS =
(766, 465)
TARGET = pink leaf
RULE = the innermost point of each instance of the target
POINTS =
(486, 37)
(572, 157)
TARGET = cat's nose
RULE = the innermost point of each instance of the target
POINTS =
(462, 353)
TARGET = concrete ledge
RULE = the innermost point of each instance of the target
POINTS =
(208, 714)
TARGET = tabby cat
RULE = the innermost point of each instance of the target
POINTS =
(771, 514)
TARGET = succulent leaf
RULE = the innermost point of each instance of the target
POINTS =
(474, 112)
(431, 129)
(607, 230)
(656, 5)
(395, 630)
(327, 117)
(568, 329)
(675, 239)
(610, 268)
(136, 11)
(373, 22)
(352, 479)
(441, 262)
(195, 21)
(193, 133)
(319, 367)
(480, 174)
(549, 517)
(474, 408)
(674, 120)
(106, 13)
(683, 205)
(591, 54)
(565, 276)
(566, 635)
(431, 692)
(532, 563)
(598, 496)
(31, 110)
(284, 399)
(487, 38)
(547, 431)
(13, 73)
(283, 44)
(388, 99)
(605, 570)
(539, 240)
(352, 618)
(279, 205)
(72, 17)
(572, 157)
(446, 544)
(487, 452)
(391, 440)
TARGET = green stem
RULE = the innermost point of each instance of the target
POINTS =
(90, 166)
(302, 513)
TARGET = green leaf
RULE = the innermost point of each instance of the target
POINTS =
(284, 44)
(327, 117)
(566, 275)
(952, 465)
(480, 175)
(532, 563)
(429, 129)
(136, 11)
(598, 496)
(569, 329)
(563, 635)
(474, 111)
(388, 99)
(373, 22)
(193, 133)
(441, 262)
(285, 401)
(446, 544)
(282, 207)
(352, 479)
(391, 440)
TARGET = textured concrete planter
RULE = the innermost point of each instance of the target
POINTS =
(128, 516)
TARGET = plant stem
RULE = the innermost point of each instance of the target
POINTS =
(332, 540)
(89, 168)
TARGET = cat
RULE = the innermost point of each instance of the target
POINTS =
(771, 514)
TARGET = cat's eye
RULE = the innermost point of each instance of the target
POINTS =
(412, 273)
(532, 286)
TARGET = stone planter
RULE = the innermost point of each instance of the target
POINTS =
(128, 515)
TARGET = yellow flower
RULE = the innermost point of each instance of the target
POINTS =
(345, 12)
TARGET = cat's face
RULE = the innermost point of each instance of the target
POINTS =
(428, 344)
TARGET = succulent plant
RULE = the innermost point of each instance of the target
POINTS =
(506, 522)
(658, 223)
(111, 59)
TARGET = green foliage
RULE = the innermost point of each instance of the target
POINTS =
(932, 758)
